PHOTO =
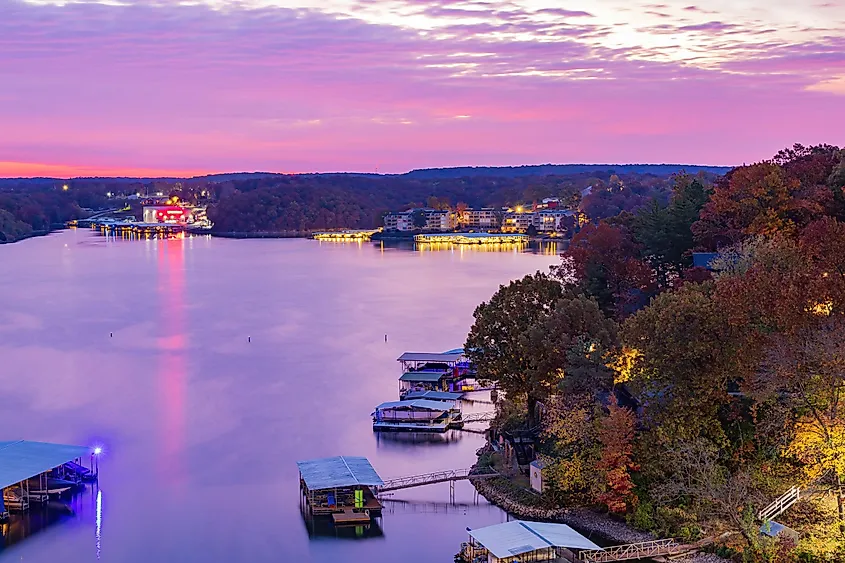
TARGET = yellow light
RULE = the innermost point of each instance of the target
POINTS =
(64, 187)
(519, 209)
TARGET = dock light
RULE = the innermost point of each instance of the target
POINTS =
(64, 187)
(98, 451)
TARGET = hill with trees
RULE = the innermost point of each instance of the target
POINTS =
(681, 399)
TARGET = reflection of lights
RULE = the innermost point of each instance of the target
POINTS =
(99, 520)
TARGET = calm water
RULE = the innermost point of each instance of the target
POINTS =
(202, 428)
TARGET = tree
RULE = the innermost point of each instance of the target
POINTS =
(685, 356)
(616, 435)
(500, 341)
(532, 336)
(419, 218)
(606, 266)
(807, 370)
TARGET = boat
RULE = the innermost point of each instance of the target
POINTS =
(53, 486)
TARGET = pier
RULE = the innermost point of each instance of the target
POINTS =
(358, 235)
(421, 480)
(472, 238)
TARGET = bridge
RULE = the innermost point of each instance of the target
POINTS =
(780, 504)
(449, 475)
(478, 417)
(641, 550)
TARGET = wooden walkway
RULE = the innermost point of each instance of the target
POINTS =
(642, 550)
(450, 475)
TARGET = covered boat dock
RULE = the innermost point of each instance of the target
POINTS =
(523, 541)
(340, 487)
(415, 415)
(31, 471)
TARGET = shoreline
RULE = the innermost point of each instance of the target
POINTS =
(608, 530)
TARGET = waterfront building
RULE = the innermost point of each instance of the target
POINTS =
(484, 218)
(523, 541)
(518, 221)
(437, 220)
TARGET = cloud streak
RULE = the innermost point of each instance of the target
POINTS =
(346, 85)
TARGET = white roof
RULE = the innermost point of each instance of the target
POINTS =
(340, 471)
(424, 404)
(20, 459)
(518, 537)
(429, 357)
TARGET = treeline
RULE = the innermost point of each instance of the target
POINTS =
(326, 201)
(684, 399)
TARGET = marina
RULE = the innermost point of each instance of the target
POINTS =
(472, 238)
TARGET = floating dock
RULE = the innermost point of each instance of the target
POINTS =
(345, 236)
(340, 487)
(472, 238)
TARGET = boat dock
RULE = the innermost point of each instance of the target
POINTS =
(472, 238)
(341, 488)
(32, 472)
(349, 235)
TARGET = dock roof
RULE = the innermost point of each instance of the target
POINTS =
(518, 537)
(415, 404)
(432, 395)
(20, 459)
(445, 357)
(339, 471)
(424, 376)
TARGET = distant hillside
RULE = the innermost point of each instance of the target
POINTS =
(563, 169)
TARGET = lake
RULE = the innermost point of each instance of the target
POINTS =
(206, 368)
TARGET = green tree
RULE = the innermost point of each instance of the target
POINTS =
(502, 341)
(532, 336)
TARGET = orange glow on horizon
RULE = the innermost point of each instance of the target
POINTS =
(43, 170)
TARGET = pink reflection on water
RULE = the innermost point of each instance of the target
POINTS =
(172, 365)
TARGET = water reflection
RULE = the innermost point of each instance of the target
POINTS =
(70, 510)
(172, 344)
(541, 247)
(401, 440)
(323, 528)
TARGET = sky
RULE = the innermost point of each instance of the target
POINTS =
(184, 87)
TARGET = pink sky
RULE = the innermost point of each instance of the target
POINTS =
(164, 87)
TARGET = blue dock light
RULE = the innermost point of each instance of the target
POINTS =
(98, 451)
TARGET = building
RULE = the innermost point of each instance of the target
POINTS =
(522, 541)
(555, 220)
(435, 220)
(173, 214)
(484, 218)
(518, 221)
(536, 474)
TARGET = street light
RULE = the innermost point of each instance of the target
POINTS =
(64, 187)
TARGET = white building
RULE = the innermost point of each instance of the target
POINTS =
(435, 220)
(484, 218)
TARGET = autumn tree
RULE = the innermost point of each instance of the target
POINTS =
(616, 436)
(807, 369)
(605, 264)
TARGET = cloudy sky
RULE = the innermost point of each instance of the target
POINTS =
(196, 86)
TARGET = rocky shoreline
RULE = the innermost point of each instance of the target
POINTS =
(590, 523)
